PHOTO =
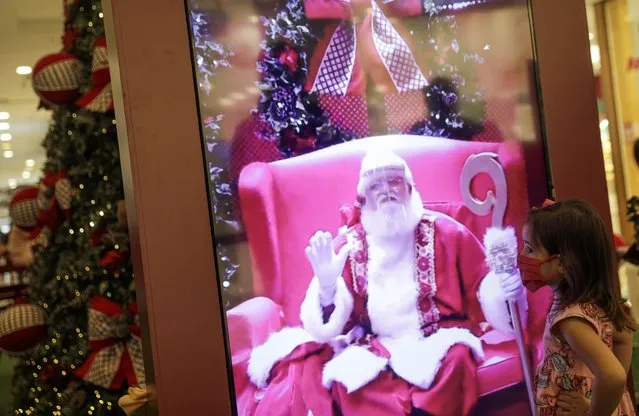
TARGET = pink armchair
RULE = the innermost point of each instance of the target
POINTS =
(285, 202)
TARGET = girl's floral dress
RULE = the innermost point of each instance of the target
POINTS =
(561, 369)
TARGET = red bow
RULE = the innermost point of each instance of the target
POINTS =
(55, 191)
(116, 347)
(546, 204)
(113, 259)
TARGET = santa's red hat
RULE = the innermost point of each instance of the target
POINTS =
(23, 208)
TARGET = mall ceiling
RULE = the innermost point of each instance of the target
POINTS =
(29, 29)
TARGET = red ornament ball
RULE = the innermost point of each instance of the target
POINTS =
(56, 78)
(22, 327)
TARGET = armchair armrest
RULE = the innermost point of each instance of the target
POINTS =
(249, 325)
(251, 322)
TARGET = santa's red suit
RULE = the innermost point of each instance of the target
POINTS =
(395, 338)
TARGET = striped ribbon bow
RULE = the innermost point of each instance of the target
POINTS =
(336, 67)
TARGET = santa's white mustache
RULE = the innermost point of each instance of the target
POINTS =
(387, 198)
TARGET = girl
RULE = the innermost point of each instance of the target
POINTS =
(588, 336)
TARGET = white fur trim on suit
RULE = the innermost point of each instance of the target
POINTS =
(277, 347)
(495, 306)
(355, 367)
(312, 316)
(418, 360)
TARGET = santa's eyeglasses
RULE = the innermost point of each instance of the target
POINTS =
(388, 182)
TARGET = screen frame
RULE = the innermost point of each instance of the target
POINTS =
(184, 340)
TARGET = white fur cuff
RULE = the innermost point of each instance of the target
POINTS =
(277, 347)
(311, 312)
(355, 367)
(418, 360)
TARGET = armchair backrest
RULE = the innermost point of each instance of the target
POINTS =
(285, 202)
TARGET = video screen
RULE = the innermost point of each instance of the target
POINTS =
(364, 158)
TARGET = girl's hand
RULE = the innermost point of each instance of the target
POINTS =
(572, 404)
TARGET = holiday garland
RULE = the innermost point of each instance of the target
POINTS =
(295, 115)
(210, 56)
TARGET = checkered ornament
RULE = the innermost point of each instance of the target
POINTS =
(24, 214)
(56, 78)
(22, 326)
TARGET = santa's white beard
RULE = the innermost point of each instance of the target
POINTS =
(393, 219)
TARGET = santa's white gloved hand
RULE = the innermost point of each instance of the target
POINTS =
(512, 285)
(327, 265)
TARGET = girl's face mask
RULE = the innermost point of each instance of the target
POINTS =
(530, 269)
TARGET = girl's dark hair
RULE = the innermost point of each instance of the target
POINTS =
(574, 230)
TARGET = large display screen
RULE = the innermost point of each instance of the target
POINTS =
(357, 153)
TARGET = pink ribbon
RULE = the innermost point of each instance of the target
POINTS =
(336, 69)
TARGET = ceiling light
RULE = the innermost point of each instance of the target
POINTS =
(5, 137)
(8, 154)
(26, 174)
(237, 96)
(30, 163)
(23, 70)
(5, 126)
(226, 102)
(6, 146)
(4, 115)
(595, 56)
(13, 184)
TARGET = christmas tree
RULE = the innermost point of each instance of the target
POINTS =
(82, 278)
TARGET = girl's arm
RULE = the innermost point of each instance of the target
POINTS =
(622, 347)
(609, 375)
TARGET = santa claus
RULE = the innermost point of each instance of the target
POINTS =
(390, 318)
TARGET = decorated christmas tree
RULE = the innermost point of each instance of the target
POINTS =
(81, 278)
